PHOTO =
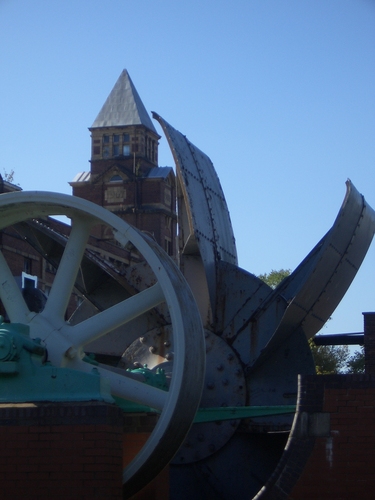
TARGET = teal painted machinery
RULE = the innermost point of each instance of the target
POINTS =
(27, 376)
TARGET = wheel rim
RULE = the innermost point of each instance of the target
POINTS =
(65, 343)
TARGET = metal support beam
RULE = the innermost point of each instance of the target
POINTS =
(340, 339)
(216, 414)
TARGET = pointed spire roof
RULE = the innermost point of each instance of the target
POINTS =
(123, 107)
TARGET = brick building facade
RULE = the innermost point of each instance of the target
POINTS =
(124, 176)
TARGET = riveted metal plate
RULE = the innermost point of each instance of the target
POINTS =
(224, 386)
(153, 348)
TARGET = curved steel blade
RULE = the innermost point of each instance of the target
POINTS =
(313, 291)
(205, 229)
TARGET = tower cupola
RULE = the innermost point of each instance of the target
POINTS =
(124, 176)
(123, 131)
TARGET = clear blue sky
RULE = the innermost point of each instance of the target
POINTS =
(279, 93)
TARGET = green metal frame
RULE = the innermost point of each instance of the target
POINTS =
(25, 376)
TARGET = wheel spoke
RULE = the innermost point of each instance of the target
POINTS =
(135, 391)
(113, 317)
(68, 268)
(11, 295)
(128, 388)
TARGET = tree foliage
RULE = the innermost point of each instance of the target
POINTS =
(356, 364)
(274, 278)
(8, 176)
(329, 359)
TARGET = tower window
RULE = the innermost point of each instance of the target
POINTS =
(168, 246)
(147, 147)
(96, 150)
(105, 139)
(125, 144)
(27, 265)
(116, 138)
(116, 150)
(105, 152)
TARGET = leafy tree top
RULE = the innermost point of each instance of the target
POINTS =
(274, 278)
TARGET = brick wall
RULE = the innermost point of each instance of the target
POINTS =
(369, 331)
(331, 450)
(64, 450)
(342, 463)
(145, 205)
(137, 430)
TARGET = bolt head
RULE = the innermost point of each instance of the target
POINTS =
(71, 353)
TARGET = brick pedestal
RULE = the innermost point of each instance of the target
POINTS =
(61, 450)
(137, 430)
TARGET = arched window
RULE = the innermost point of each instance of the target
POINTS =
(116, 178)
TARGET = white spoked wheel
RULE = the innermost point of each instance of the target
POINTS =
(65, 343)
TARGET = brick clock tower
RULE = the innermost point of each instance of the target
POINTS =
(124, 176)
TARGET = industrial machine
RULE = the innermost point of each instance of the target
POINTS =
(229, 348)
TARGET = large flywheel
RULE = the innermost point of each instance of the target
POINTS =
(66, 343)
